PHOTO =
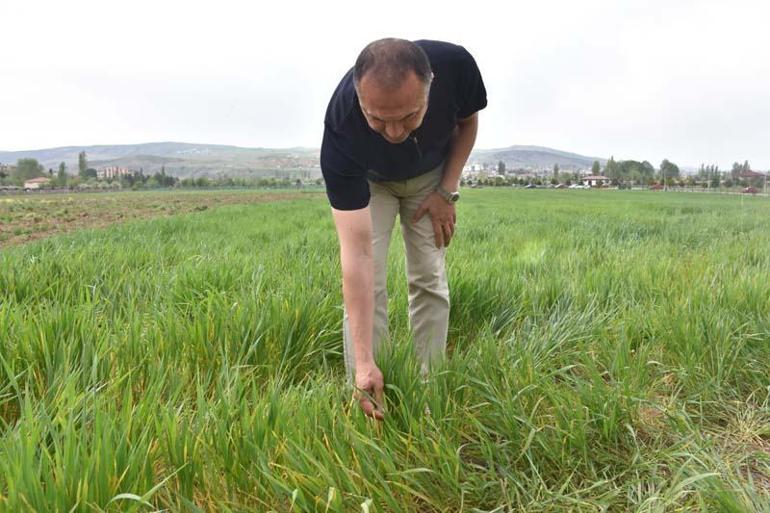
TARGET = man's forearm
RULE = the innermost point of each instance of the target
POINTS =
(358, 294)
(461, 144)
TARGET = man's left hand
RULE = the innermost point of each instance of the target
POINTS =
(442, 215)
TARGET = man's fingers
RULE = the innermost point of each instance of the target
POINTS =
(378, 403)
(370, 409)
(438, 233)
(419, 213)
(448, 233)
(378, 399)
(367, 406)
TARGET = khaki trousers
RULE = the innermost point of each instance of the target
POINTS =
(425, 265)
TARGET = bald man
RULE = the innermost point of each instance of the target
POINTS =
(397, 133)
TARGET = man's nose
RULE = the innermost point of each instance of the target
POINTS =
(394, 130)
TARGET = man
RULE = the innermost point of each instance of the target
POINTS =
(397, 133)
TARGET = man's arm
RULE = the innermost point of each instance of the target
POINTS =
(354, 230)
(442, 214)
(461, 144)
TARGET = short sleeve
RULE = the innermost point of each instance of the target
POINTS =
(346, 184)
(471, 93)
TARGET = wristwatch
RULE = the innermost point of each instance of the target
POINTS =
(450, 197)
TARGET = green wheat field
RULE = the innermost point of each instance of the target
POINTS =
(609, 351)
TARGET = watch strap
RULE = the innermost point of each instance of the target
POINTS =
(450, 197)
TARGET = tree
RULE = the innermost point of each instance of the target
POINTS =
(612, 171)
(61, 177)
(501, 168)
(668, 170)
(648, 169)
(556, 171)
(163, 179)
(709, 175)
(127, 181)
(596, 168)
(82, 164)
(28, 168)
(736, 171)
(715, 176)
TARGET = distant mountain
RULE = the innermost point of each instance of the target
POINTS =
(534, 157)
(179, 159)
(185, 159)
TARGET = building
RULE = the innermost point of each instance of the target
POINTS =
(595, 180)
(112, 172)
(755, 179)
(36, 183)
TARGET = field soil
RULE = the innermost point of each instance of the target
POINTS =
(36, 216)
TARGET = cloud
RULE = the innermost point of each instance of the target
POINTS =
(646, 80)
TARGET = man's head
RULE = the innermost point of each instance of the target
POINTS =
(392, 78)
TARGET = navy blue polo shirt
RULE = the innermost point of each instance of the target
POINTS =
(352, 153)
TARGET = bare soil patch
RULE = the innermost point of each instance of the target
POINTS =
(28, 217)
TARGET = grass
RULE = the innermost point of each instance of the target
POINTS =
(609, 351)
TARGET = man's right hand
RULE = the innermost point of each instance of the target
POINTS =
(369, 387)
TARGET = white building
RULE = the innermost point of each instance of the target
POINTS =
(112, 172)
(36, 183)
(595, 180)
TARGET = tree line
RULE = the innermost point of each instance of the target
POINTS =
(86, 178)
(620, 173)
(624, 173)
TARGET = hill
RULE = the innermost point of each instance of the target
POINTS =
(535, 157)
(179, 159)
(186, 159)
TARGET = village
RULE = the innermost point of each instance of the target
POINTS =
(477, 174)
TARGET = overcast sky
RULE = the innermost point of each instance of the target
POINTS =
(683, 80)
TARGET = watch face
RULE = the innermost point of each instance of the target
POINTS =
(454, 196)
